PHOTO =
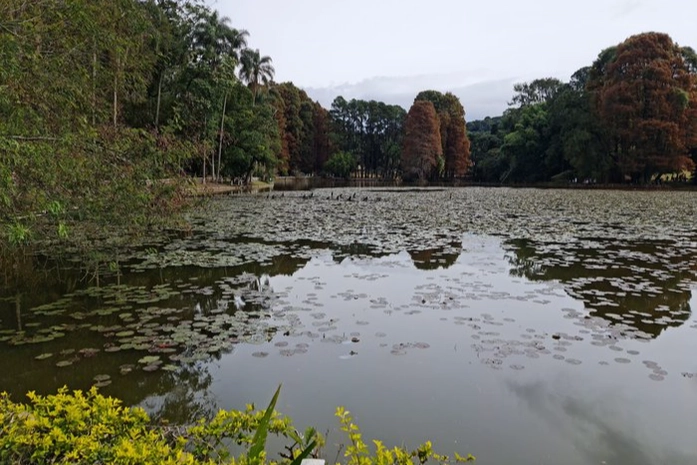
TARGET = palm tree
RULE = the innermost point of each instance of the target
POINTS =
(255, 70)
(216, 45)
(214, 40)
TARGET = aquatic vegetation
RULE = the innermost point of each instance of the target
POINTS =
(460, 287)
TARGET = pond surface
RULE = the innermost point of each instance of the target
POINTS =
(521, 326)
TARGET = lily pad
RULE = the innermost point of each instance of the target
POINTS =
(124, 333)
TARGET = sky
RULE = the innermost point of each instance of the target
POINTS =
(390, 50)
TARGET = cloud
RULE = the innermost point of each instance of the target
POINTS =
(480, 97)
(594, 427)
(626, 8)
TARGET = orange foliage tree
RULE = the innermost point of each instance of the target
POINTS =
(647, 101)
(422, 141)
(455, 144)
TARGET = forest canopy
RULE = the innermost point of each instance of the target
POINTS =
(108, 106)
(629, 117)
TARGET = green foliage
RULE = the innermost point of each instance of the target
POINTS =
(358, 453)
(341, 165)
(259, 440)
(630, 116)
(62, 231)
(538, 91)
(252, 137)
(372, 131)
(88, 428)
(18, 234)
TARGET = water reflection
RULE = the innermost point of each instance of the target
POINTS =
(427, 336)
(645, 285)
(432, 259)
(180, 397)
(600, 432)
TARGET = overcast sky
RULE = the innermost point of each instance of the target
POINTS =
(390, 50)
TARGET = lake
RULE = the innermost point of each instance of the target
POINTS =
(523, 326)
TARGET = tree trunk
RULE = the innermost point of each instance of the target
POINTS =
(94, 81)
(205, 124)
(213, 166)
(116, 98)
(159, 95)
(222, 128)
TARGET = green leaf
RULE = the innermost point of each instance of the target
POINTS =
(259, 440)
(297, 460)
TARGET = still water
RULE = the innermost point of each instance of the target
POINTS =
(521, 326)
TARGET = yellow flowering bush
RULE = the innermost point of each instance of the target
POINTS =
(87, 428)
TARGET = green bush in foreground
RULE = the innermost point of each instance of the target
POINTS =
(88, 428)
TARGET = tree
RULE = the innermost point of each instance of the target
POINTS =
(577, 138)
(524, 146)
(647, 100)
(252, 137)
(455, 145)
(537, 91)
(213, 39)
(322, 142)
(256, 70)
(370, 130)
(422, 144)
(486, 139)
(341, 165)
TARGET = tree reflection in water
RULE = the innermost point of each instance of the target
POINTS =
(645, 285)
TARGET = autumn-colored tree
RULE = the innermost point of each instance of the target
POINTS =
(648, 102)
(304, 128)
(455, 145)
(291, 124)
(422, 144)
(283, 155)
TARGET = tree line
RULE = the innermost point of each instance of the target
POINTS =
(101, 101)
(629, 117)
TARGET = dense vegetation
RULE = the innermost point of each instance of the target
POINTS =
(88, 428)
(108, 106)
(629, 117)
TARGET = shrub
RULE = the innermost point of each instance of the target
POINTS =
(88, 428)
(341, 165)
